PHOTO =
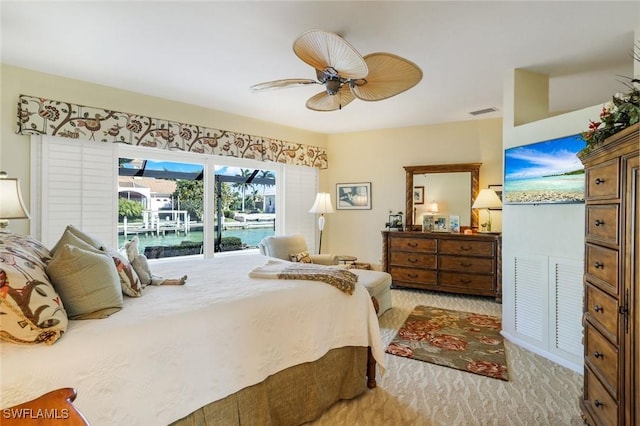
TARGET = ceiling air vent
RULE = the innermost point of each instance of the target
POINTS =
(483, 111)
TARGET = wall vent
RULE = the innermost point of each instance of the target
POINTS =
(483, 111)
(530, 285)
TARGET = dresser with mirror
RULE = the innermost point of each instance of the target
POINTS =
(452, 262)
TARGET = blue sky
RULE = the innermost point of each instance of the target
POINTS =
(544, 158)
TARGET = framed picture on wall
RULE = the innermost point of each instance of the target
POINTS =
(418, 195)
(498, 191)
(353, 196)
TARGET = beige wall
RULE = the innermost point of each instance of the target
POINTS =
(14, 149)
(379, 156)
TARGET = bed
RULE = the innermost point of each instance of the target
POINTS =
(221, 347)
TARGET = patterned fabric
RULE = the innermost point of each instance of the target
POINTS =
(38, 116)
(302, 257)
(31, 310)
(341, 279)
(129, 280)
(462, 340)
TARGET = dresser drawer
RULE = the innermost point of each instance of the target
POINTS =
(417, 260)
(599, 401)
(466, 247)
(603, 357)
(414, 275)
(602, 180)
(602, 223)
(466, 264)
(602, 263)
(413, 244)
(466, 281)
(604, 309)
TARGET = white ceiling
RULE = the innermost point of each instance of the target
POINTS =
(208, 53)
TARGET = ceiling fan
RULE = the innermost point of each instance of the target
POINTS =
(346, 74)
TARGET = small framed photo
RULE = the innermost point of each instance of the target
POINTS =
(418, 195)
(353, 196)
(440, 224)
(454, 224)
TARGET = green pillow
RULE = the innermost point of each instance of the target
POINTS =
(87, 282)
(72, 235)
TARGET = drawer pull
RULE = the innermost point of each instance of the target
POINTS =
(599, 222)
(598, 404)
(466, 265)
(597, 354)
(465, 248)
(598, 308)
(412, 275)
(411, 260)
(465, 281)
(412, 244)
(598, 265)
(599, 181)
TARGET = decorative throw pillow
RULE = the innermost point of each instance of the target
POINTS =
(129, 279)
(31, 311)
(87, 281)
(302, 257)
(70, 229)
(141, 266)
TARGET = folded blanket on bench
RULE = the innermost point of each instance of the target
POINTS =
(341, 279)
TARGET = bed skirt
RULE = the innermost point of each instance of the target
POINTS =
(296, 395)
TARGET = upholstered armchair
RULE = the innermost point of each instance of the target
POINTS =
(285, 246)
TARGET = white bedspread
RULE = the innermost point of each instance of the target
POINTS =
(178, 348)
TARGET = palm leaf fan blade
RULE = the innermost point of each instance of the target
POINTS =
(388, 76)
(323, 49)
(279, 84)
(325, 102)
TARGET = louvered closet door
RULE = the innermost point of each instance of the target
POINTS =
(75, 184)
(300, 189)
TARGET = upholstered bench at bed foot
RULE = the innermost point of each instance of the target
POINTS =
(378, 284)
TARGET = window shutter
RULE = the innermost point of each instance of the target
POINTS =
(300, 189)
(77, 185)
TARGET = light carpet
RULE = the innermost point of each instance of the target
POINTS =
(539, 392)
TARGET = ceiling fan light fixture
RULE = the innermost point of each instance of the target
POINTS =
(333, 85)
(346, 74)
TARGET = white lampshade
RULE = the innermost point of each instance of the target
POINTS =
(433, 207)
(487, 199)
(11, 205)
(322, 204)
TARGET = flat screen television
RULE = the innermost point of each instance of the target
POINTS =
(545, 172)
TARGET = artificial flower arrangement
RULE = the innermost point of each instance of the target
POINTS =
(621, 112)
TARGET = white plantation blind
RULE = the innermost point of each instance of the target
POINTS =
(300, 189)
(74, 182)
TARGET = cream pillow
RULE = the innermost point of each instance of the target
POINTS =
(78, 234)
(87, 282)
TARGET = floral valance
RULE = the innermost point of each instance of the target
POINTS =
(38, 116)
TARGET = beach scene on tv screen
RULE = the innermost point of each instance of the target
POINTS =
(545, 172)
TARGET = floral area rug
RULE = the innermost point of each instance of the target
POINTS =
(462, 340)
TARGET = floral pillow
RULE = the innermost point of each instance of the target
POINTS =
(302, 257)
(31, 310)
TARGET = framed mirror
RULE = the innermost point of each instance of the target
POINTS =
(453, 187)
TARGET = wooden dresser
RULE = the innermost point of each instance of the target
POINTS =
(455, 263)
(611, 295)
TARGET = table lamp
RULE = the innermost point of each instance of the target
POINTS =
(321, 206)
(487, 199)
(11, 205)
